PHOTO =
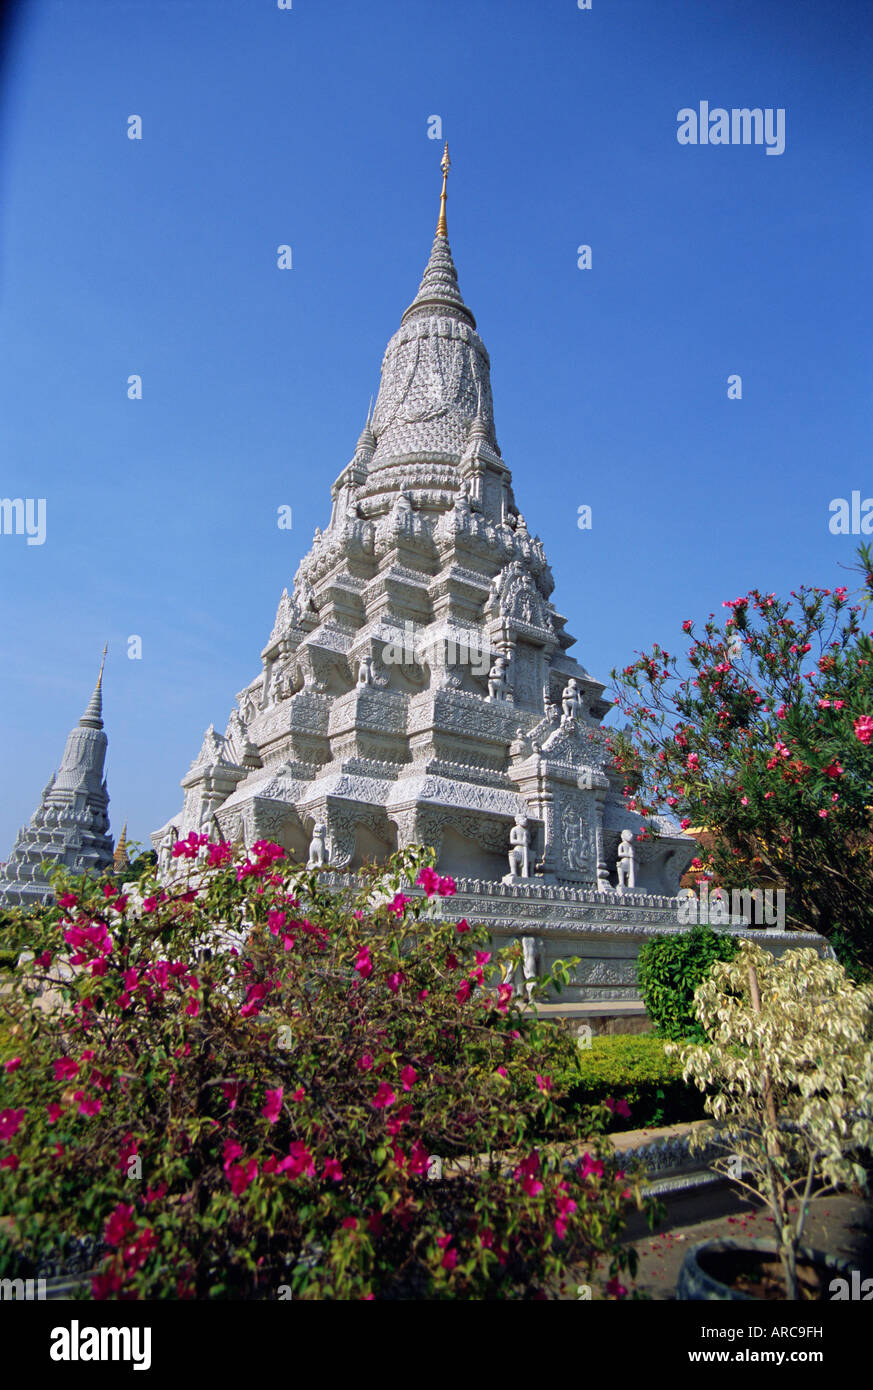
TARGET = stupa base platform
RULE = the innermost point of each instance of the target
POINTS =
(604, 930)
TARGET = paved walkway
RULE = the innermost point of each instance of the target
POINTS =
(840, 1224)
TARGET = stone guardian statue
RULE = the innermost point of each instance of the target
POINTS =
(318, 846)
(519, 849)
(626, 863)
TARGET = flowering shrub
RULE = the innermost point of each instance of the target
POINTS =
(788, 1069)
(237, 1083)
(765, 739)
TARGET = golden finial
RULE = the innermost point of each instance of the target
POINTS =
(102, 664)
(445, 165)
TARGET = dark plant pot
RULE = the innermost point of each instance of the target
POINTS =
(699, 1281)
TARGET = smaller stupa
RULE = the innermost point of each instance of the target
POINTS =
(70, 827)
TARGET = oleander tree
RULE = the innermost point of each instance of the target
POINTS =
(258, 1081)
(763, 735)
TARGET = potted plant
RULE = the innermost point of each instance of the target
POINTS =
(788, 1068)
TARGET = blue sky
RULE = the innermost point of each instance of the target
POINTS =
(310, 127)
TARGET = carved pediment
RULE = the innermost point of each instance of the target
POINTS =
(515, 596)
(212, 750)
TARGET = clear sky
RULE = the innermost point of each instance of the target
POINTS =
(309, 127)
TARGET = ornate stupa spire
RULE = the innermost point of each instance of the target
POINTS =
(445, 165)
(438, 291)
(93, 716)
(121, 858)
(71, 824)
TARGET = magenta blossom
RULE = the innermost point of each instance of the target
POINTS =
(384, 1096)
(273, 1107)
(332, 1170)
(863, 727)
(429, 880)
(10, 1123)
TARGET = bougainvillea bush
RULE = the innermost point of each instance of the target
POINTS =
(764, 736)
(256, 1081)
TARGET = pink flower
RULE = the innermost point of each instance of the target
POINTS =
(408, 1076)
(615, 1289)
(823, 814)
(67, 900)
(447, 887)
(618, 1107)
(241, 1175)
(365, 1062)
(332, 1170)
(591, 1167)
(275, 920)
(504, 994)
(863, 727)
(526, 1174)
(299, 1162)
(10, 1161)
(450, 1259)
(363, 963)
(429, 880)
(10, 1123)
(462, 994)
(231, 1092)
(463, 925)
(744, 801)
(398, 903)
(88, 1105)
(483, 957)
(298, 1094)
(834, 768)
(232, 1149)
(395, 981)
(273, 1107)
(501, 1071)
(119, 1226)
(544, 1083)
(384, 1096)
(54, 1112)
(44, 959)
(192, 1008)
(219, 854)
(693, 762)
(350, 1223)
(12, 1065)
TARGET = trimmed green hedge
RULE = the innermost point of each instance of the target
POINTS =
(635, 1069)
(670, 968)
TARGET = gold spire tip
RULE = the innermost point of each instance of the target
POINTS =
(102, 664)
(445, 165)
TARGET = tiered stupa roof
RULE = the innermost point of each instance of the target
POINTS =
(71, 824)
